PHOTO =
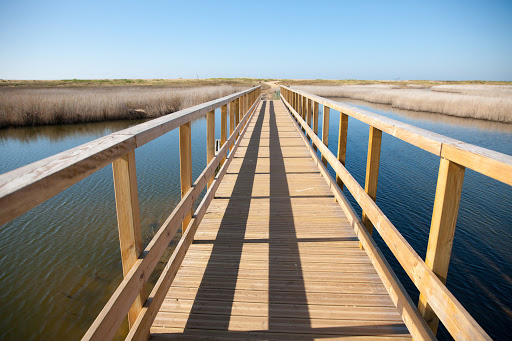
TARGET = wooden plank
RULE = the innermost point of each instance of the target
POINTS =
(342, 144)
(314, 118)
(451, 313)
(223, 125)
(442, 229)
(325, 128)
(186, 166)
(487, 162)
(231, 120)
(372, 171)
(210, 141)
(128, 220)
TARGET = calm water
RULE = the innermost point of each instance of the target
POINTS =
(60, 262)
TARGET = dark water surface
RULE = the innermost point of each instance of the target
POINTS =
(60, 262)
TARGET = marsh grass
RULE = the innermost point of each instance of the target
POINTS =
(488, 102)
(49, 106)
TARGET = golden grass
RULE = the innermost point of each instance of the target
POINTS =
(46, 106)
(487, 102)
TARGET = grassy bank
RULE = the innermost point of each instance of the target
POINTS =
(30, 106)
(480, 101)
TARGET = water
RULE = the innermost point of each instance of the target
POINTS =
(60, 262)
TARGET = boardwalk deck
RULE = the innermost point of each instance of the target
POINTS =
(275, 257)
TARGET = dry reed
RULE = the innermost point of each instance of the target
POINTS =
(487, 102)
(47, 106)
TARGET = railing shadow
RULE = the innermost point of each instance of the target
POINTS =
(231, 230)
(282, 238)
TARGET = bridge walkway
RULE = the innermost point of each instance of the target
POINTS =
(275, 257)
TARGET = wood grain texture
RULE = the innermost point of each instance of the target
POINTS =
(325, 128)
(186, 165)
(128, 220)
(210, 140)
(274, 254)
(372, 170)
(442, 228)
(342, 144)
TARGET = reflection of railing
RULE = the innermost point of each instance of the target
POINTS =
(436, 302)
(26, 187)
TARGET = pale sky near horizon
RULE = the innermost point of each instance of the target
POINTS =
(446, 40)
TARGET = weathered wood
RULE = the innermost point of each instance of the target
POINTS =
(210, 140)
(451, 313)
(342, 144)
(442, 228)
(372, 171)
(186, 166)
(128, 219)
(325, 129)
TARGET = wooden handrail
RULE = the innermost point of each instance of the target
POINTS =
(28, 186)
(456, 319)
(485, 161)
(110, 318)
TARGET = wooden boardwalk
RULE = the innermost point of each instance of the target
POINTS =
(275, 257)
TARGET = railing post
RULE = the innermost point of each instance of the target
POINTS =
(442, 229)
(210, 140)
(305, 110)
(237, 113)
(325, 129)
(313, 108)
(310, 114)
(128, 220)
(223, 127)
(186, 166)
(372, 171)
(342, 144)
(231, 119)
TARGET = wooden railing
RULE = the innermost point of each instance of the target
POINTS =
(436, 302)
(26, 187)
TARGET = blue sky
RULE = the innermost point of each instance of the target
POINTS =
(450, 40)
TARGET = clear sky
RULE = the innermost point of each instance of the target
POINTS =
(450, 40)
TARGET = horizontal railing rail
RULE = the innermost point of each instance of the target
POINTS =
(429, 276)
(26, 187)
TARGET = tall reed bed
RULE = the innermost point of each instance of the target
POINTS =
(47, 106)
(488, 102)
